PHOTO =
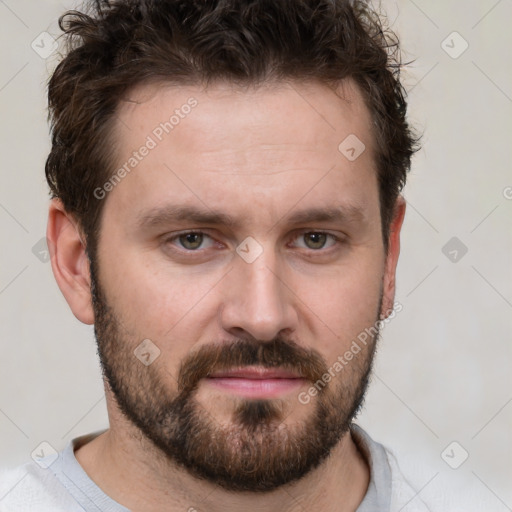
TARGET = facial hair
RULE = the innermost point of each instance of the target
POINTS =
(257, 451)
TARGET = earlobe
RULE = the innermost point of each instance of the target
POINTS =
(69, 261)
(389, 281)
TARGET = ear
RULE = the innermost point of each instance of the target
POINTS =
(389, 281)
(69, 261)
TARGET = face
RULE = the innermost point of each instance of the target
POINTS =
(245, 248)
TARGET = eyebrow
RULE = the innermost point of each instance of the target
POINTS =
(178, 213)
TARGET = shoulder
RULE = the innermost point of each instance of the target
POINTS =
(32, 488)
(392, 490)
(441, 490)
(404, 496)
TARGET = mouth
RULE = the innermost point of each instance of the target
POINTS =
(256, 382)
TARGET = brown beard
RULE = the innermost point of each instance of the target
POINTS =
(257, 451)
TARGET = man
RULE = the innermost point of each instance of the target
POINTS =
(226, 211)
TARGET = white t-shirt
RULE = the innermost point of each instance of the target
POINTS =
(59, 484)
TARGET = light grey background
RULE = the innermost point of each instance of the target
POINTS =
(443, 371)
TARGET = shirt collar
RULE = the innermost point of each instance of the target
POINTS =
(378, 495)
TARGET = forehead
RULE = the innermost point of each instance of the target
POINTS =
(229, 147)
(224, 108)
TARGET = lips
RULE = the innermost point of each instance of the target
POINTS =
(255, 373)
(256, 382)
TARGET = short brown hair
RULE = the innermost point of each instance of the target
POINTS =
(115, 45)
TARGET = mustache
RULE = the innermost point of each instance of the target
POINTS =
(307, 363)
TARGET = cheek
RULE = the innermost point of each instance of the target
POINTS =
(158, 301)
(341, 305)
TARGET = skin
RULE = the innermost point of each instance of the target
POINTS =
(276, 156)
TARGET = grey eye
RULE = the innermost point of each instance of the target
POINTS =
(191, 241)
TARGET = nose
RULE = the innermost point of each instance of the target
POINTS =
(257, 300)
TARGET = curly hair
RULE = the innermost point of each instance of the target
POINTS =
(113, 46)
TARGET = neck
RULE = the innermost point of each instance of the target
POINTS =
(136, 474)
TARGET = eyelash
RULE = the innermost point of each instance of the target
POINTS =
(338, 241)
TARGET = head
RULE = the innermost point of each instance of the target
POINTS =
(227, 200)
